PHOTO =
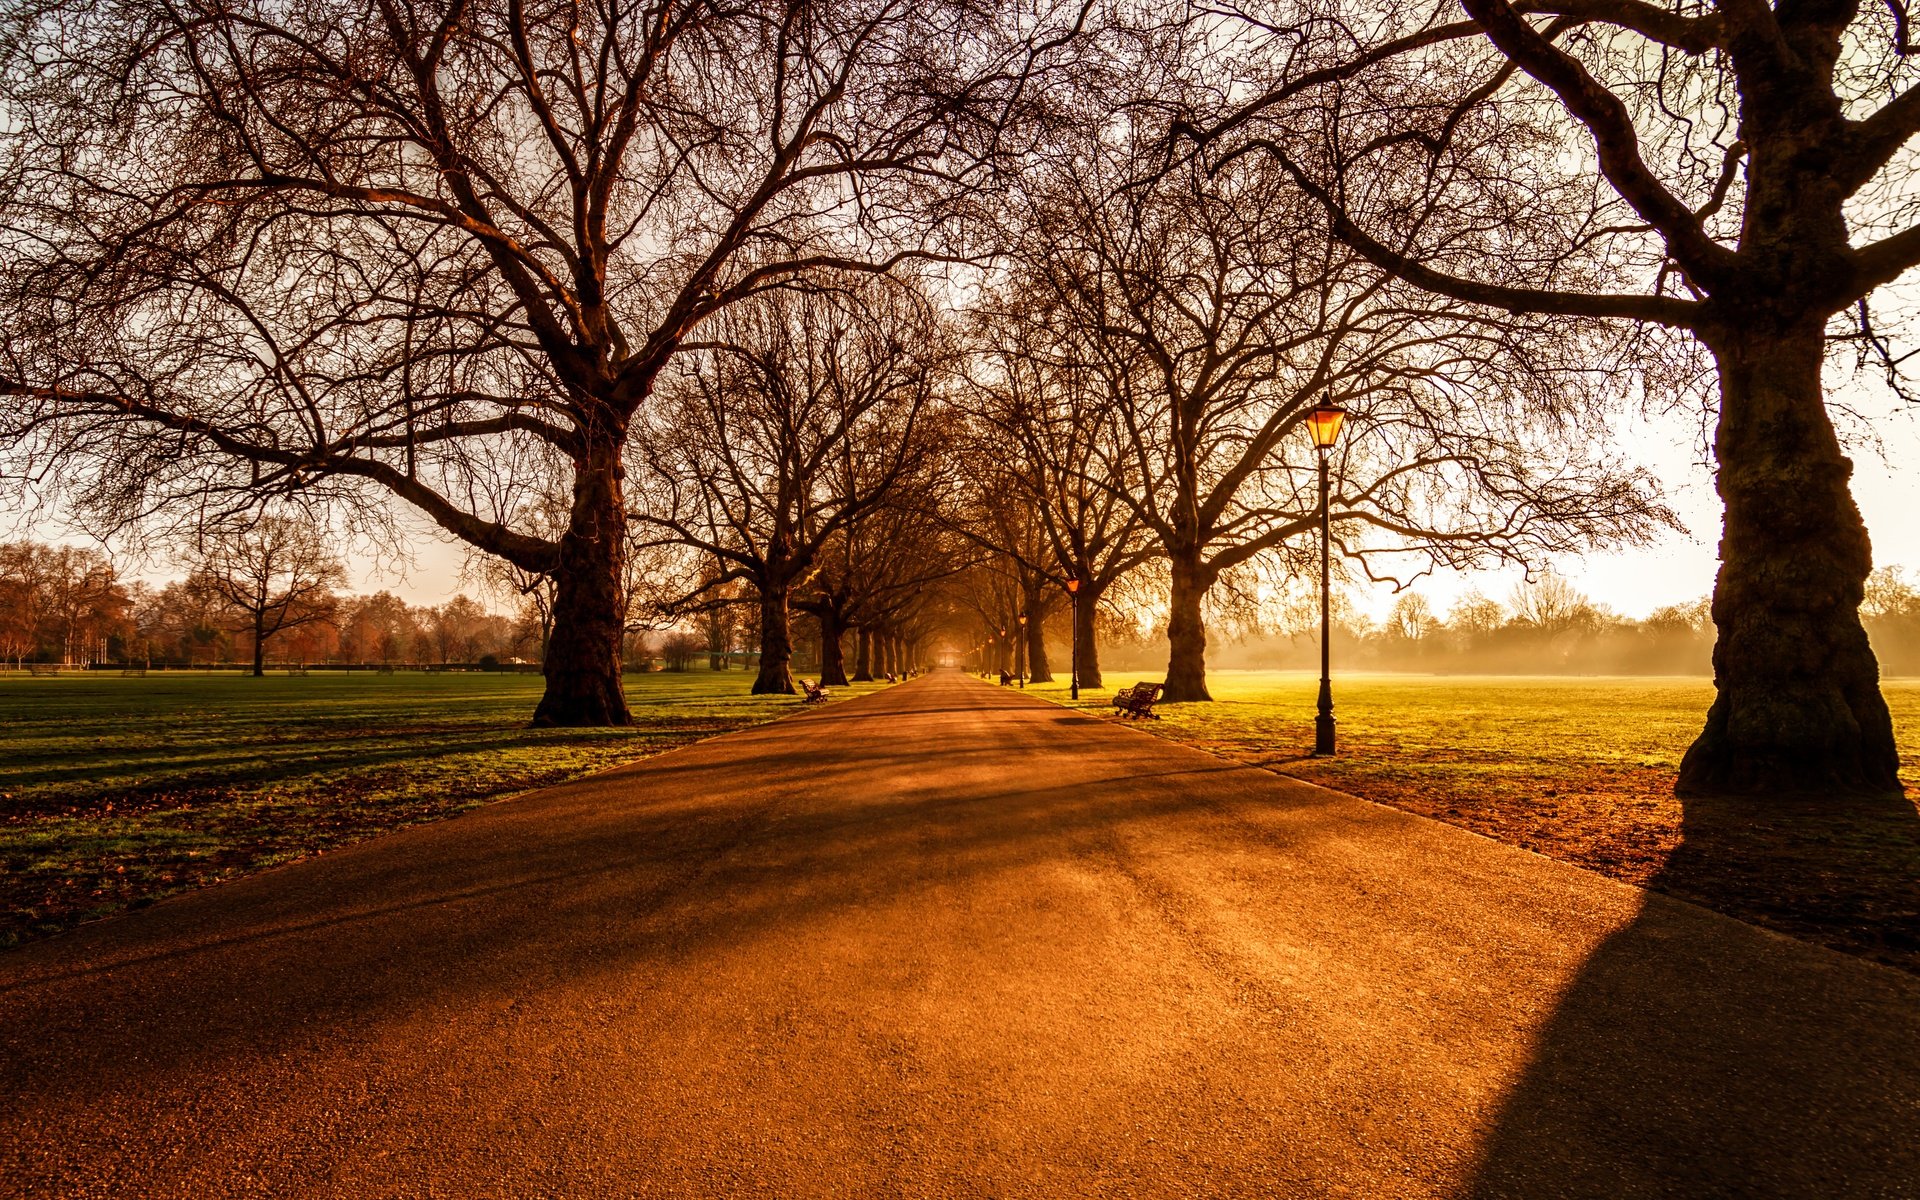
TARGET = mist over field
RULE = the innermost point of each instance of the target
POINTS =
(1544, 628)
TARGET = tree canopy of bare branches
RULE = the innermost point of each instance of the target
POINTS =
(1209, 310)
(277, 574)
(802, 413)
(443, 251)
(1741, 171)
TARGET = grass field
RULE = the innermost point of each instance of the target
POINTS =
(1582, 769)
(117, 791)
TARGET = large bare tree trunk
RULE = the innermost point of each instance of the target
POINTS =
(1086, 646)
(1799, 706)
(833, 660)
(589, 616)
(1038, 669)
(259, 644)
(1187, 632)
(863, 655)
(776, 645)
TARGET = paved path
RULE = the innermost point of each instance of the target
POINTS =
(947, 941)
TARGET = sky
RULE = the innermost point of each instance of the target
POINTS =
(1884, 442)
(1881, 435)
(1883, 438)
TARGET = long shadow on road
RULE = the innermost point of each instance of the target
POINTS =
(596, 883)
(1365, 963)
(1717, 1062)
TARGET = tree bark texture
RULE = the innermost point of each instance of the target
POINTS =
(589, 613)
(1038, 669)
(776, 645)
(1799, 707)
(863, 655)
(833, 660)
(1187, 632)
(1086, 646)
(259, 644)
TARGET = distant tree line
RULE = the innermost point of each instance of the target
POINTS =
(69, 605)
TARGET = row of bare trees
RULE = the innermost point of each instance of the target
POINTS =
(660, 297)
(1150, 353)
(446, 251)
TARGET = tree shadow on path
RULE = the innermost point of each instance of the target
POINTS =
(1681, 1066)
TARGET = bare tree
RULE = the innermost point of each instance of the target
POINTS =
(442, 251)
(1214, 309)
(1739, 171)
(277, 574)
(1552, 606)
(1412, 617)
(806, 413)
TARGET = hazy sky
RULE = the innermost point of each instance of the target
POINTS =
(1677, 568)
(1680, 566)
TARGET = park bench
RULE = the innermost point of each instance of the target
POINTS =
(1138, 700)
(814, 693)
(43, 668)
(134, 669)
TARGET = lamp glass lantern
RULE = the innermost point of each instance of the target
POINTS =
(1323, 422)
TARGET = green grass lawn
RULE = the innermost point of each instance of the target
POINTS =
(116, 791)
(1582, 769)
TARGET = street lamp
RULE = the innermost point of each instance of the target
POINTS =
(1323, 422)
(1073, 639)
(1020, 654)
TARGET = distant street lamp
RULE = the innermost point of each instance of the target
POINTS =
(1073, 639)
(1323, 422)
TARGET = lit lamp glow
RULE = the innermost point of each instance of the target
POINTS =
(1323, 422)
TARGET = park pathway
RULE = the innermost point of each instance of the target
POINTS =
(947, 941)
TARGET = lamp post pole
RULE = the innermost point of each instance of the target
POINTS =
(1073, 639)
(1020, 654)
(1323, 722)
(1323, 422)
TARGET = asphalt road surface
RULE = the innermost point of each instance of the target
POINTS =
(947, 941)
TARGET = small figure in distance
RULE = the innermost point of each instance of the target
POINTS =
(1006, 680)
(890, 678)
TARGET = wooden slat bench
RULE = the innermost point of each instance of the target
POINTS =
(1138, 701)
